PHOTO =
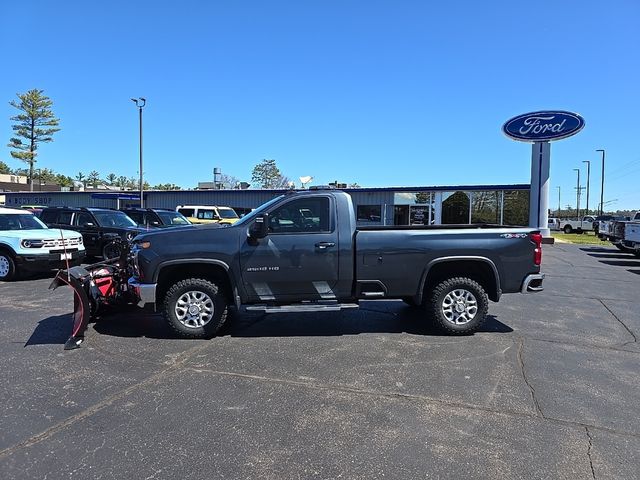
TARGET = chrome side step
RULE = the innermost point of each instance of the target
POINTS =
(301, 307)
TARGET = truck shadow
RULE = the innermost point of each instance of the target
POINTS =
(619, 255)
(622, 263)
(611, 249)
(134, 323)
(410, 321)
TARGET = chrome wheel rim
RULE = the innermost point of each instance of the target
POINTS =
(459, 306)
(4, 266)
(194, 309)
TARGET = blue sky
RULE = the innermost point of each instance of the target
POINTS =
(380, 93)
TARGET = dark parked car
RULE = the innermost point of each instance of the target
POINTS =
(156, 217)
(99, 227)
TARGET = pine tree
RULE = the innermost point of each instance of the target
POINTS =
(267, 175)
(35, 124)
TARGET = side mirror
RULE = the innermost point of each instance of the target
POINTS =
(260, 227)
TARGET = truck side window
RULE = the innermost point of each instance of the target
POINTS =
(82, 219)
(307, 215)
(65, 218)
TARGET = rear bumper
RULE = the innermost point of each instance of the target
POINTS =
(144, 292)
(532, 283)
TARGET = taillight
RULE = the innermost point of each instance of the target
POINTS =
(536, 238)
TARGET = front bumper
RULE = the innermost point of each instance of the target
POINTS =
(532, 283)
(145, 293)
(48, 261)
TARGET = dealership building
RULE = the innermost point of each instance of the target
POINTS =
(502, 204)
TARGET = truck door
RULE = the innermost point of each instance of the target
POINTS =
(298, 260)
(85, 224)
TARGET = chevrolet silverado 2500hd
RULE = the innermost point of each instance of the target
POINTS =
(302, 252)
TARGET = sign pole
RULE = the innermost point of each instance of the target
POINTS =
(539, 194)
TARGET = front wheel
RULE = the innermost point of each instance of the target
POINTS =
(567, 229)
(7, 266)
(195, 308)
(458, 305)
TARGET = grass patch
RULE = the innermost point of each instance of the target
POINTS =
(586, 238)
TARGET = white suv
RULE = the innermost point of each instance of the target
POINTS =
(27, 244)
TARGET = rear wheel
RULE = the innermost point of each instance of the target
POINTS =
(195, 308)
(458, 305)
(7, 266)
(567, 229)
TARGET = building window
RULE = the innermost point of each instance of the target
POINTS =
(485, 207)
(455, 207)
(369, 213)
(516, 207)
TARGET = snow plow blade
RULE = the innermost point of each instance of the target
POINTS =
(79, 279)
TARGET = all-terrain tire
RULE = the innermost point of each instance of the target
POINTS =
(7, 266)
(195, 308)
(458, 305)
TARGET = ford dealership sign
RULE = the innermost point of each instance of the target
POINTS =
(543, 126)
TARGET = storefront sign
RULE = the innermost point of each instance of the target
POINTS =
(543, 126)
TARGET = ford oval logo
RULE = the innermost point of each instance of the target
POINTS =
(543, 126)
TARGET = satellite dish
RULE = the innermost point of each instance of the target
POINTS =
(305, 180)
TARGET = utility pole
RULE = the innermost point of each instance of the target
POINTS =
(558, 214)
(578, 194)
(588, 176)
(602, 184)
(140, 103)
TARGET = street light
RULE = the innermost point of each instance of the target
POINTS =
(140, 103)
(602, 184)
(578, 194)
(588, 176)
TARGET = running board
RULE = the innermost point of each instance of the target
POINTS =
(333, 307)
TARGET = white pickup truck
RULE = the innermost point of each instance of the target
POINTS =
(622, 233)
(579, 226)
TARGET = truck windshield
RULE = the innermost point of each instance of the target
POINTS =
(173, 218)
(227, 213)
(250, 216)
(114, 219)
(25, 221)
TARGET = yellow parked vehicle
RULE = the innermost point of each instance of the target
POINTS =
(209, 214)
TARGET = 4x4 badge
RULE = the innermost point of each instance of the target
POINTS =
(514, 235)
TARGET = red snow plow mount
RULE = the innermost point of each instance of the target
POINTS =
(94, 287)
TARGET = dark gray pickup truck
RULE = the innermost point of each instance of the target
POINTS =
(302, 252)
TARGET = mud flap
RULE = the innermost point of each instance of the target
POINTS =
(79, 280)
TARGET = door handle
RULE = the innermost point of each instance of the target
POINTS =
(324, 245)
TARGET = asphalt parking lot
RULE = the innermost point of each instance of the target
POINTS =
(548, 389)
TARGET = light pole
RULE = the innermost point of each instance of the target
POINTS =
(140, 103)
(588, 176)
(578, 194)
(558, 213)
(602, 184)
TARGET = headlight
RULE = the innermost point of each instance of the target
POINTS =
(80, 240)
(130, 236)
(28, 243)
